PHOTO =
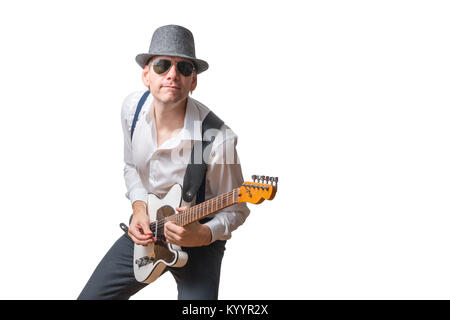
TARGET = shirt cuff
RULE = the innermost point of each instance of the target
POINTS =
(138, 194)
(217, 230)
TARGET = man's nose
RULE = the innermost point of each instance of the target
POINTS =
(173, 72)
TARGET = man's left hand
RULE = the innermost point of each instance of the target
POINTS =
(192, 235)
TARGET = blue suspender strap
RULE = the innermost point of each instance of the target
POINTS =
(138, 110)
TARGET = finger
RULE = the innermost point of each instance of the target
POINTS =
(137, 233)
(181, 208)
(172, 240)
(137, 241)
(146, 229)
(173, 227)
(172, 237)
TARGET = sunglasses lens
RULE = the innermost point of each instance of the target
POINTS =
(161, 65)
(185, 68)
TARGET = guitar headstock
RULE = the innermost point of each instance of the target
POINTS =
(262, 188)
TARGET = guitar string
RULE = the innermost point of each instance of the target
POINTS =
(201, 207)
(196, 210)
(160, 228)
(193, 212)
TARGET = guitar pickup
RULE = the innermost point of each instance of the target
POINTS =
(144, 261)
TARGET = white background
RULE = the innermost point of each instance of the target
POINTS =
(347, 102)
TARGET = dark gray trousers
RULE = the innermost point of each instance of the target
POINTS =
(114, 277)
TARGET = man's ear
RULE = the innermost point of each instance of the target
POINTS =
(194, 82)
(146, 76)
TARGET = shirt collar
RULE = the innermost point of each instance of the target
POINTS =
(192, 127)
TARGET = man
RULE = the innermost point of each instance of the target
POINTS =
(167, 126)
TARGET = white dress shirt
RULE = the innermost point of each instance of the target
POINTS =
(153, 169)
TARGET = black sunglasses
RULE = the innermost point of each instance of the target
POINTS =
(161, 66)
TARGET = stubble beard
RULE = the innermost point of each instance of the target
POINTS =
(171, 99)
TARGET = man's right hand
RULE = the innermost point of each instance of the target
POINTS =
(139, 230)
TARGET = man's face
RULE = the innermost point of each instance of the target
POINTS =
(171, 86)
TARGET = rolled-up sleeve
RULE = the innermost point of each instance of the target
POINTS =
(223, 175)
(135, 188)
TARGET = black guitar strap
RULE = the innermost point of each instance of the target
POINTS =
(195, 177)
(194, 181)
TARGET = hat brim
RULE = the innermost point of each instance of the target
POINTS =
(143, 58)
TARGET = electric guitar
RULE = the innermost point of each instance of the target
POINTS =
(149, 261)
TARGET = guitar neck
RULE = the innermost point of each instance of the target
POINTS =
(206, 208)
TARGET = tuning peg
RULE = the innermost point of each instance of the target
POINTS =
(266, 180)
(271, 180)
(253, 178)
(276, 181)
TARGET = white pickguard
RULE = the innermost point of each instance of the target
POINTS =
(152, 271)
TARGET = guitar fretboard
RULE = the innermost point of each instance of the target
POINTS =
(196, 212)
(205, 208)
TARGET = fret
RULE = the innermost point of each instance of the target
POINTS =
(206, 208)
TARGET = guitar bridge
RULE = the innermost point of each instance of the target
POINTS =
(144, 261)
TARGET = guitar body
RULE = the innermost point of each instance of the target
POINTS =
(150, 261)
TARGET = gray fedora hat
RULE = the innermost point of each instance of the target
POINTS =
(174, 41)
